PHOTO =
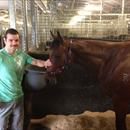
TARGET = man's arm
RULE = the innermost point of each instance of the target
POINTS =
(41, 63)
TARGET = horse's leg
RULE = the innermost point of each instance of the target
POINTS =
(27, 109)
(121, 109)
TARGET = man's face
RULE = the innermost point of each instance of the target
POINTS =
(12, 42)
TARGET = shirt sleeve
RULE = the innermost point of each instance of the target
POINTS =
(28, 59)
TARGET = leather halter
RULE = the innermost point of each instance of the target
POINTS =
(61, 68)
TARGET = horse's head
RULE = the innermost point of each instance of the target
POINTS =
(59, 53)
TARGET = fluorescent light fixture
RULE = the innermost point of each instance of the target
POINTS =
(3, 17)
(83, 12)
(60, 4)
(7, 20)
(3, 4)
(87, 10)
(91, 7)
(127, 19)
(19, 22)
(48, 11)
(76, 19)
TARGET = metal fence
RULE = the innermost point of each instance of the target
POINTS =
(101, 19)
(110, 21)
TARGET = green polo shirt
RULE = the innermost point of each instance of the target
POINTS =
(11, 73)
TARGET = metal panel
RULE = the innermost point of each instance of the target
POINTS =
(111, 22)
(104, 19)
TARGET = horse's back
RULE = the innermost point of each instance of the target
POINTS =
(116, 73)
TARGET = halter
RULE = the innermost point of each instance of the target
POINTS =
(60, 69)
(69, 53)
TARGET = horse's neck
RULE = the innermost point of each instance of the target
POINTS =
(98, 50)
(92, 48)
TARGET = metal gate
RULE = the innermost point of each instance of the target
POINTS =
(96, 19)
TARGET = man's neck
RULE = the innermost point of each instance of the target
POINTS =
(9, 51)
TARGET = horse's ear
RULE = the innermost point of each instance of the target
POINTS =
(53, 36)
(59, 36)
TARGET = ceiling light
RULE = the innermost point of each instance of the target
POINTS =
(91, 7)
(76, 19)
(60, 4)
(3, 17)
(83, 12)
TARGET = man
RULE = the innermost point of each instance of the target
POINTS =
(12, 66)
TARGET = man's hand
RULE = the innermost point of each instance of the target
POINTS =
(41, 63)
(47, 63)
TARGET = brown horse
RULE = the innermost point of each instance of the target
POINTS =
(112, 60)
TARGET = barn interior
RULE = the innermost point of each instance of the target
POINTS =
(109, 19)
(78, 89)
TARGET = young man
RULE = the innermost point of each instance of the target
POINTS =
(12, 66)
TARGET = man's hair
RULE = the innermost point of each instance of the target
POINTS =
(11, 31)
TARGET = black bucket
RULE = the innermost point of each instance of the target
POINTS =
(35, 78)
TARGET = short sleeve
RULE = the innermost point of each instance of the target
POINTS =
(28, 59)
